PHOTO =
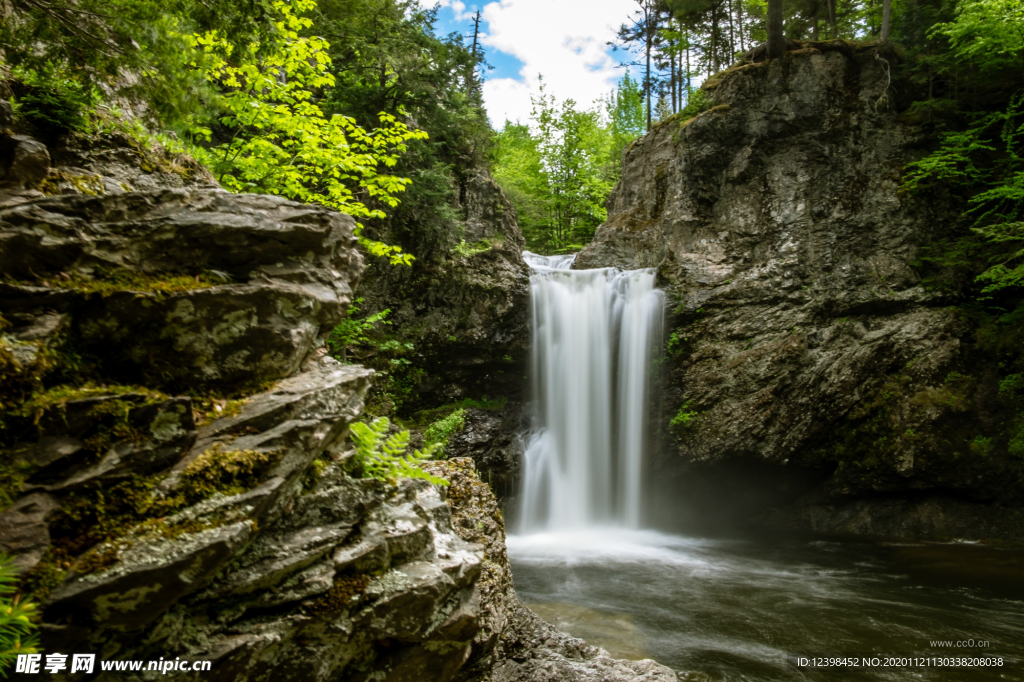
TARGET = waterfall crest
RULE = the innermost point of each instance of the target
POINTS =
(594, 335)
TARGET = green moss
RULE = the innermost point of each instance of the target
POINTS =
(107, 281)
(13, 472)
(95, 520)
(85, 184)
(225, 471)
(209, 408)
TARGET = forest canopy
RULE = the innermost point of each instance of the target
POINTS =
(361, 105)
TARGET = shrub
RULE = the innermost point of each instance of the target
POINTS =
(440, 431)
(684, 417)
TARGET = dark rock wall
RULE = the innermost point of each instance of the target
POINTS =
(468, 318)
(803, 343)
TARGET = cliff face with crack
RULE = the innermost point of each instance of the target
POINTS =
(809, 369)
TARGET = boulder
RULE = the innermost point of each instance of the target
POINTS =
(23, 161)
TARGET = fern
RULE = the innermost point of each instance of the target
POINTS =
(384, 456)
(17, 626)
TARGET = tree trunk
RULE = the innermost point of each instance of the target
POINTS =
(815, 8)
(886, 16)
(776, 38)
(732, 36)
(832, 18)
(647, 77)
(739, 16)
(472, 69)
(687, 67)
(672, 60)
(714, 37)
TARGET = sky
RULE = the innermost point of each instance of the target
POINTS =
(564, 40)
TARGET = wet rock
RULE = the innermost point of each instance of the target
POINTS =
(491, 438)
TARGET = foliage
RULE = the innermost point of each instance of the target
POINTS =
(74, 46)
(441, 430)
(559, 171)
(379, 455)
(353, 331)
(17, 615)
(53, 101)
(984, 159)
(280, 140)
(684, 418)
(625, 111)
(386, 55)
(468, 250)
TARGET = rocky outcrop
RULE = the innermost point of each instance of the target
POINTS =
(181, 287)
(804, 340)
(177, 481)
(514, 644)
(465, 307)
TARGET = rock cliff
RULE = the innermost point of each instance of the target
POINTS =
(806, 356)
(465, 310)
(176, 478)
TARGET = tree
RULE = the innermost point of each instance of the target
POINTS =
(776, 37)
(886, 18)
(386, 56)
(643, 31)
(280, 140)
(95, 42)
(626, 117)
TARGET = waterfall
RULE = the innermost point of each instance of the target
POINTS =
(594, 336)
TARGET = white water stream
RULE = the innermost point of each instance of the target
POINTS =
(594, 335)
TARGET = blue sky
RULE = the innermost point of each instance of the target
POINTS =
(565, 40)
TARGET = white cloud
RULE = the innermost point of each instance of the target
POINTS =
(565, 40)
(458, 9)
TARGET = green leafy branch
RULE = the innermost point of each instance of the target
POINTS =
(281, 141)
(385, 457)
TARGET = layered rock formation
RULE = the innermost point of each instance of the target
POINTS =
(806, 354)
(177, 480)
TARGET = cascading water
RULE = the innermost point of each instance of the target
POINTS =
(594, 335)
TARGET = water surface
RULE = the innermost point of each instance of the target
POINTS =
(732, 609)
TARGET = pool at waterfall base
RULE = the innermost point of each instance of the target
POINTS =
(734, 609)
(725, 609)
